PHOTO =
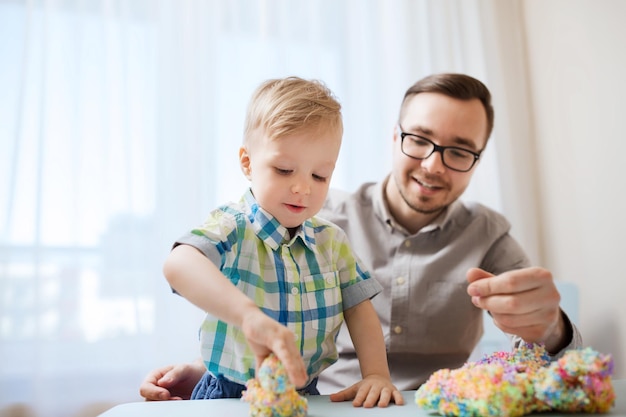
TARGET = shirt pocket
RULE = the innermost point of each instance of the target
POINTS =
(322, 301)
(451, 321)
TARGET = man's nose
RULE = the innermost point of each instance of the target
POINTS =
(434, 163)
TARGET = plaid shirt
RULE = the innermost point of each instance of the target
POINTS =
(304, 282)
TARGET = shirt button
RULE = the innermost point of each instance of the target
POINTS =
(407, 243)
(329, 280)
(397, 329)
(294, 290)
(400, 280)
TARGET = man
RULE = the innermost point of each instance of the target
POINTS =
(440, 261)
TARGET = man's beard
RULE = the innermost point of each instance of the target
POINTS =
(416, 208)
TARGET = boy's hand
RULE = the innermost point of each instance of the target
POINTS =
(266, 335)
(371, 391)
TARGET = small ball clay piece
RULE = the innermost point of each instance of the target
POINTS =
(271, 394)
(522, 382)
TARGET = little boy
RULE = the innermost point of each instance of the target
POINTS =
(272, 276)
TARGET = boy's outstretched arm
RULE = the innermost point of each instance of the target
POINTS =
(197, 279)
(376, 387)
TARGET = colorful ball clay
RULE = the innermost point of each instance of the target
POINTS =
(271, 394)
(580, 381)
(522, 382)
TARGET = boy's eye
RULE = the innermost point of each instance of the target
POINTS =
(319, 178)
(283, 171)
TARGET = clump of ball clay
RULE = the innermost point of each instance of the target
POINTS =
(271, 394)
(522, 382)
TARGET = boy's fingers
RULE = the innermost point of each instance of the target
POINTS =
(344, 395)
(398, 398)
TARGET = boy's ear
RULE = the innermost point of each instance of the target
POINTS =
(244, 161)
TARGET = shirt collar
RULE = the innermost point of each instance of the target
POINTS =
(268, 229)
(381, 208)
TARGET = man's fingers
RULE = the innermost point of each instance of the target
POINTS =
(510, 282)
(474, 274)
(524, 302)
(479, 285)
(168, 377)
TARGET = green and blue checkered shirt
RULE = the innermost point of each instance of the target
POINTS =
(305, 282)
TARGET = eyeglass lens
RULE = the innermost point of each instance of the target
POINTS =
(454, 158)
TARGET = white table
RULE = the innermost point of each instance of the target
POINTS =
(319, 406)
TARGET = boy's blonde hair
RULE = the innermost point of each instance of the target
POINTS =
(283, 106)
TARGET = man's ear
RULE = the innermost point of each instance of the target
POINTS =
(396, 132)
(244, 161)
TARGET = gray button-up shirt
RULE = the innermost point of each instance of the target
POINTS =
(428, 319)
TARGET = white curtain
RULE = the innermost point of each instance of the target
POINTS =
(119, 127)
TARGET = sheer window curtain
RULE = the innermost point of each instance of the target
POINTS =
(119, 128)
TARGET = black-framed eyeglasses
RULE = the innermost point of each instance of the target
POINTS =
(418, 147)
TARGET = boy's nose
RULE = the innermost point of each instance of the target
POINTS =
(301, 186)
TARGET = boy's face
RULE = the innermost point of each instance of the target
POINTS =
(290, 175)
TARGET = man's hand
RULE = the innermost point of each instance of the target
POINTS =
(523, 302)
(173, 382)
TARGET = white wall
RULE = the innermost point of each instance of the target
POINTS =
(576, 54)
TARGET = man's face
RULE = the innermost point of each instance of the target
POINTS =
(427, 186)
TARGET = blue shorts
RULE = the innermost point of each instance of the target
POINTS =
(210, 388)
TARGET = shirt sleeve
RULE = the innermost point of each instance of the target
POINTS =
(505, 254)
(359, 292)
(576, 341)
(216, 236)
(357, 284)
(202, 244)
